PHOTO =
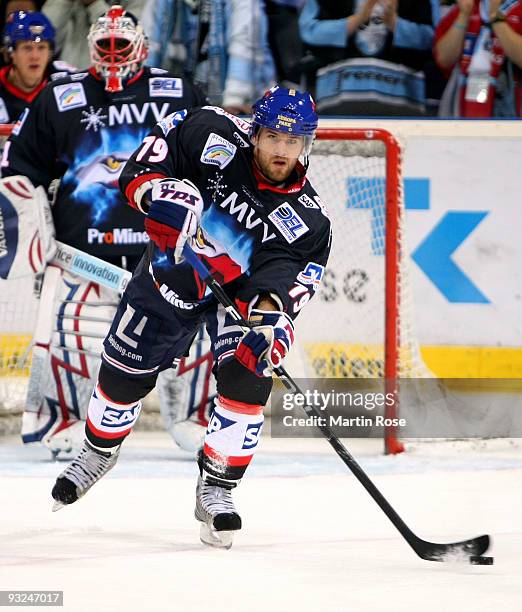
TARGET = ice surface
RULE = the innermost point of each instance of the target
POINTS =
(312, 538)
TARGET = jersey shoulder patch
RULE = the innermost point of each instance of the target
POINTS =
(171, 121)
(69, 95)
(288, 222)
(218, 151)
(165, 87)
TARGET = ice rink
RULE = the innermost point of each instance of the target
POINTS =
(312, 537)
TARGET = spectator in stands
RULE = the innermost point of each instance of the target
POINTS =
(29, 41)
(371, 54)
(482, 51)
(285, 42)
(223, 44)
(172, 39)
(72, 20)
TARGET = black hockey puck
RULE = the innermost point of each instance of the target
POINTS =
(479, 560)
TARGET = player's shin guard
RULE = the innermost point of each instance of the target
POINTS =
(231, 440)
(109, 422)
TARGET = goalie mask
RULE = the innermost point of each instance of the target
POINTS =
(118, 47)
(290, 117)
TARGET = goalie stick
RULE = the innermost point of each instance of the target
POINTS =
(470, 550)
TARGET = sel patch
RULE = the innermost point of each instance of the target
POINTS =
(288, 222)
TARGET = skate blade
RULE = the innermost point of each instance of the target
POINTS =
(57, 506)
(215, 539)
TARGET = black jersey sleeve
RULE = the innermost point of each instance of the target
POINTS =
(171, 150)
(32, 145)
(291, 276)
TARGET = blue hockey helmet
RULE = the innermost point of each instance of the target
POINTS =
(23, 25)
(286, 110)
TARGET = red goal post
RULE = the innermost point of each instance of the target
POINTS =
(393, 206)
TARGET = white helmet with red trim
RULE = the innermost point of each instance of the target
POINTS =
(118, 47)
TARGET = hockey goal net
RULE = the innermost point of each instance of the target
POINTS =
(361, 323)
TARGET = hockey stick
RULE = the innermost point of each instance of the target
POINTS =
(467, 550)
(90, 267)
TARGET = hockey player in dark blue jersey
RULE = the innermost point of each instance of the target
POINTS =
(238, 194)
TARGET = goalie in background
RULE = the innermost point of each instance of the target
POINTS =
(80, 131)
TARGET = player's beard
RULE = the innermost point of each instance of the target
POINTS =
(275, 168)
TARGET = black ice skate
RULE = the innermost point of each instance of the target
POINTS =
(87, 468)
(216, 512)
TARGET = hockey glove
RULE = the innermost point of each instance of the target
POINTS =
(266, 345)
(173, 215)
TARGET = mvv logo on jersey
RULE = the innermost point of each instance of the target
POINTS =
(112, 417)
(166, 87)
(218, 151)
(288, 222)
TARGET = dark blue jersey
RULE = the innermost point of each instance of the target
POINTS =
(81, 134)
(256, 238)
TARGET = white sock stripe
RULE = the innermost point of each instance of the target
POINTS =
(126, 368)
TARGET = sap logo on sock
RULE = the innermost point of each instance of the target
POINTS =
(252, 435)
(288, 222)
(219, 422)
(166, 87)
(218, 151)
(113, 417)
(311, 275)
(70, 95)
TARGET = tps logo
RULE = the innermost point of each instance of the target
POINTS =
(288, 222)
(252, 434)
(112, 417)
(168, 193)
(311, 275)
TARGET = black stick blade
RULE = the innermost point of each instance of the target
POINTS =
(456, 551)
